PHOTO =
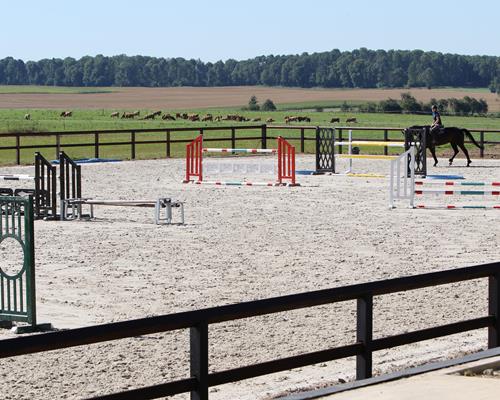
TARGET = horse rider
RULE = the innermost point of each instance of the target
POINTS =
(437, 124)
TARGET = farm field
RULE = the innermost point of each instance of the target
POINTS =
(176, 98)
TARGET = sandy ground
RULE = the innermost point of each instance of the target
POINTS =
(192, 97)
(239, 244)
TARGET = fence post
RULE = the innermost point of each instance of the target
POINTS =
(340, 140)
(168, 143)
(364, 334)
(132, 145)
(481, 142)
(302, 141)
(386, 138)
(199, 360)
(264, 137)
(233, 138)
(494, 310)
(18, 150)
(96, 145)
(58, 146)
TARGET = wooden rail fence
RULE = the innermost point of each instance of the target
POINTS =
(198, 323)
(262, 135)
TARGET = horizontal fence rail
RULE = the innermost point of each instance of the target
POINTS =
(198, 323)
(130, 137)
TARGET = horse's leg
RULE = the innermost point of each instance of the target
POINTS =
(433, 152)
(455, 150)
(464, 149)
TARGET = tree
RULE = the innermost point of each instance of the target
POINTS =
(252, 104)
(268, 106)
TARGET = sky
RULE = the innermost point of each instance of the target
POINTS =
(221, 29)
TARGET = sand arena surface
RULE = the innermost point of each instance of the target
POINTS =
(240, 244)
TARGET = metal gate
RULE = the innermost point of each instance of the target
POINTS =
(17, 284)
(325, 150)
(418, 137)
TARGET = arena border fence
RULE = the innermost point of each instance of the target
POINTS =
(262, 134)
(198, 322)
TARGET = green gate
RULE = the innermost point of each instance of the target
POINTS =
(17, 284)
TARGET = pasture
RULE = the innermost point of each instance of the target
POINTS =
(246, 243)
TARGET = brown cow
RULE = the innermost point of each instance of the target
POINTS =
(333, 120)
(128, 115)
(116, 114)
(168, 117)
(349, 120)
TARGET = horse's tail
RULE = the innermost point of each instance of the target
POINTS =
(469, 135)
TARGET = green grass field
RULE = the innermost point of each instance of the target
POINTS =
(98, 120)
(29, 89)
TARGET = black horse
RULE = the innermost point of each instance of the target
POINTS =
(454, 136)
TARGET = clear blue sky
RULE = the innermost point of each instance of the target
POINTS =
(222, 29)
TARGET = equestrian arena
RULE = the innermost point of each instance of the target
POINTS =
(245, 243)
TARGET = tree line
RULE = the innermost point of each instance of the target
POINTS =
(360, 68)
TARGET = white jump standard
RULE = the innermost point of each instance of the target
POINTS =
(285, 164)
(404, 187)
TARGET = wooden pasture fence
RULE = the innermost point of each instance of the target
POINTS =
(263, 133)
(198, 322)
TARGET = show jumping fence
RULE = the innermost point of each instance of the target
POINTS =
(403, 186)
(199, 321)
(285, 163)
(137, 139)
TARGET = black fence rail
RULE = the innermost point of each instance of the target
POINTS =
(263, 133)
(198, 323)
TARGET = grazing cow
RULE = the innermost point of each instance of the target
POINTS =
(208, 117)
(65, 114)
(349, 120)
(269, 120)
(128, 115)
(168, 117)
(218, 118)
(150, 116)
(116, 114)
(333, 120)
(157, 113)
(27, 116)
(193, 117)
(136, 113)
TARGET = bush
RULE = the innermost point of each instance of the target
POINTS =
(252, 104)
(268, 106)
(390, 105)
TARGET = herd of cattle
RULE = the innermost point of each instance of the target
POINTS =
(204, 118)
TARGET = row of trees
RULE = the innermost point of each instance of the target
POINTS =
(358, 68)
(408, 104)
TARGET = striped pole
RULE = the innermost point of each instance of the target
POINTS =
(452, 207)
(459, 192)
(453, 183)
(237, 183)
(227, 150)
(368, 143)
(16, 178)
